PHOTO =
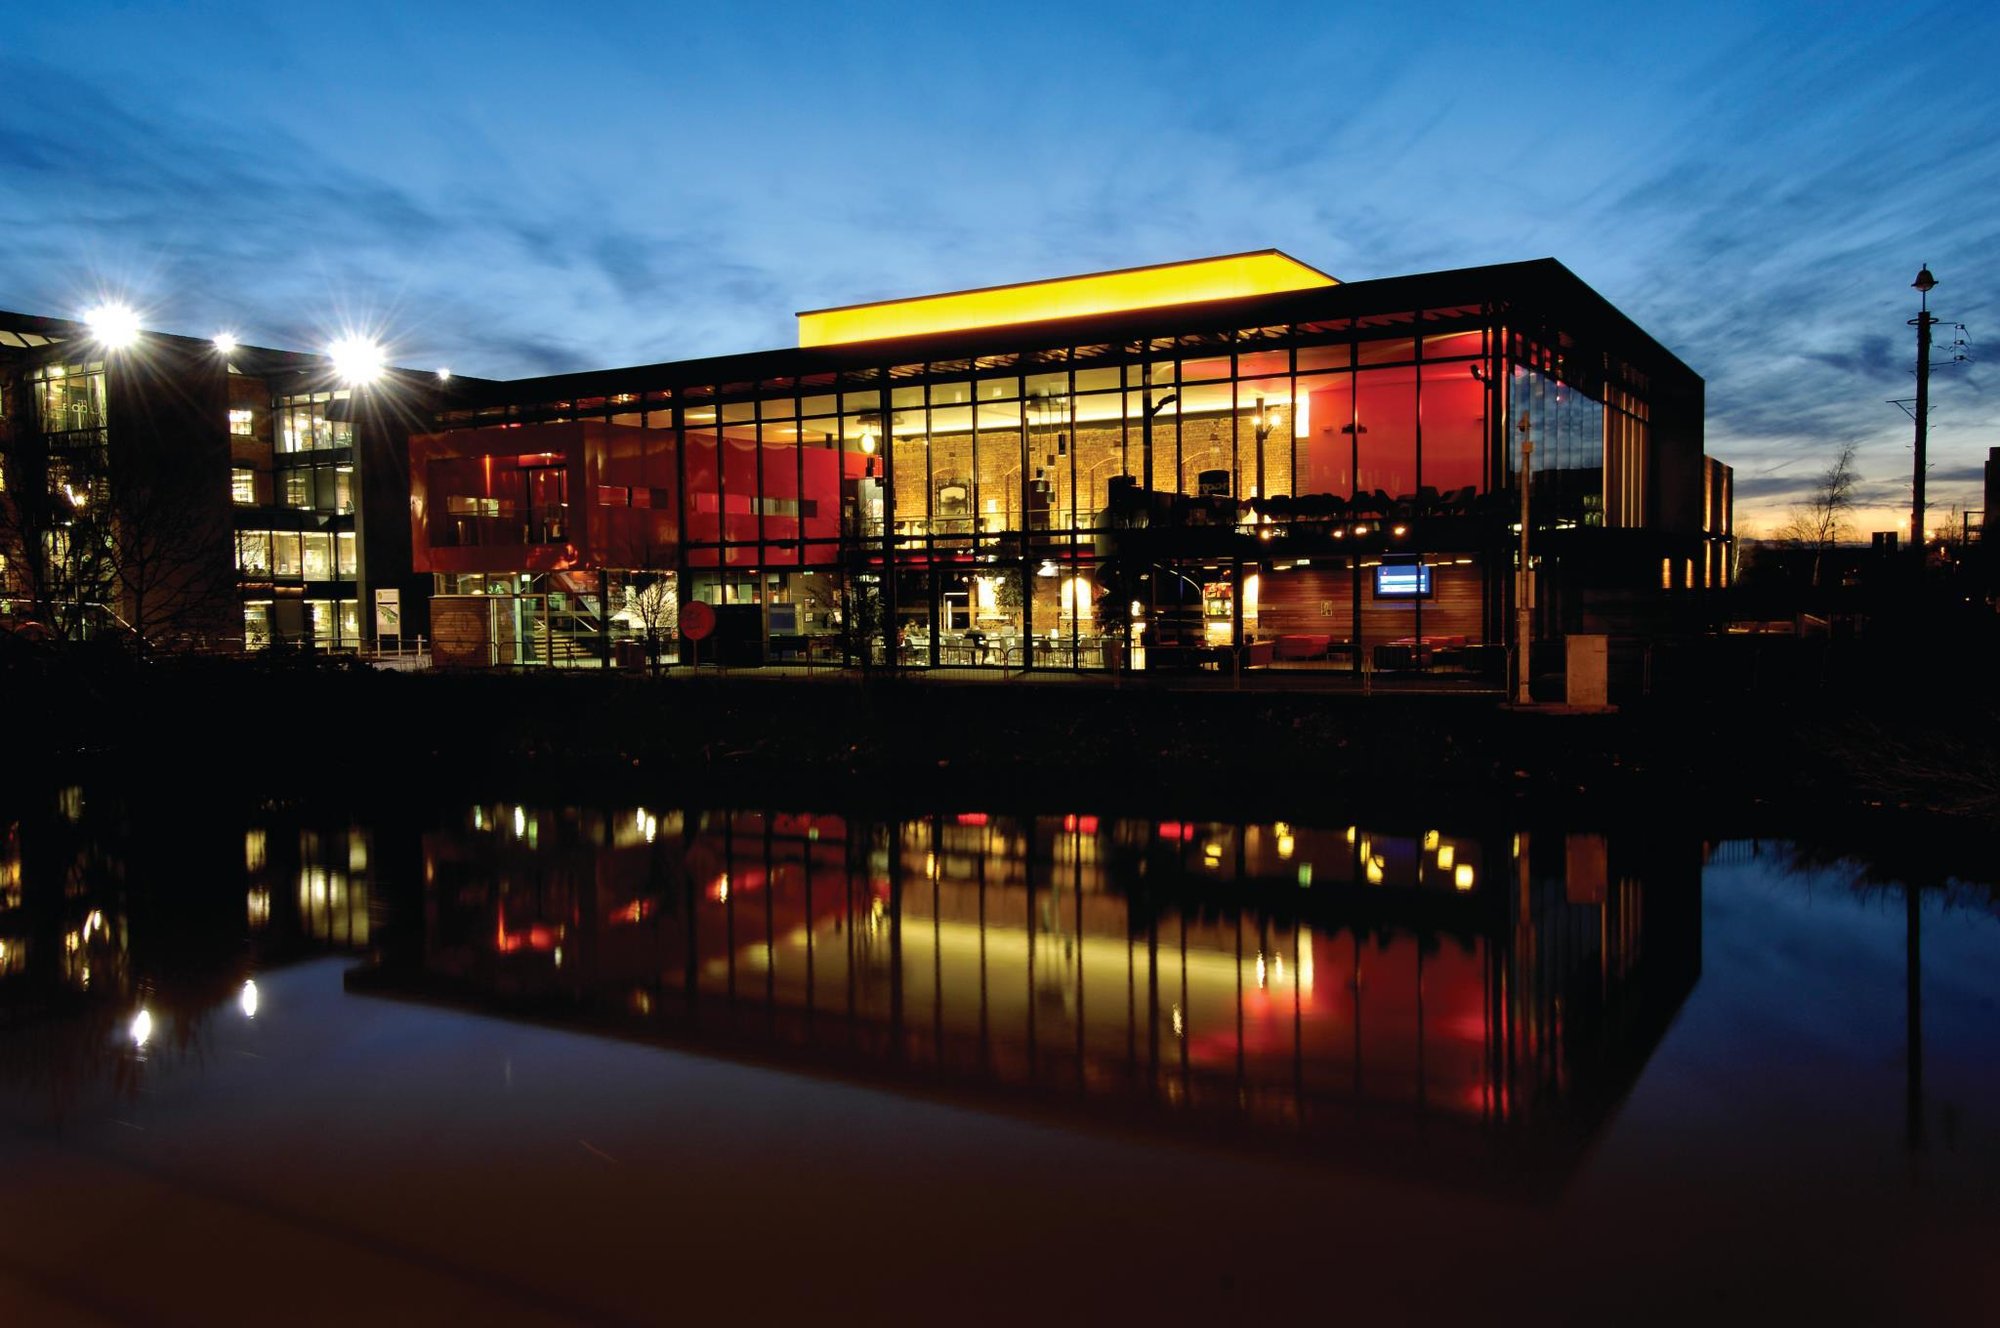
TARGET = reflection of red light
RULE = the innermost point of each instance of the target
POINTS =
(1176, 831)
(1083, 825)
(972, 818)
(537, 937)
(636, 911)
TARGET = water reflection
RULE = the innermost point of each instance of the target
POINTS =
(1344, 985)
(124, 925)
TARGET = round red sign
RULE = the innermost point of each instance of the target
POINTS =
(697, 620)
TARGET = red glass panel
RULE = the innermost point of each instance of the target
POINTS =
(1454, 406)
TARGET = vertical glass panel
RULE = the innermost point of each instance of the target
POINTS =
(253, 552)
(257, 625)
(953, 491)
(285, 560)
(911, 458)
(1208, 452)
(1454, 418)
(317, 555)
(998, 456)
(1325, 452)
(1099, 447)
(344, 550)
(1385, 413)
(1265, 431)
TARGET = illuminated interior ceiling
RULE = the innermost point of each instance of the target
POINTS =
(1265, 272)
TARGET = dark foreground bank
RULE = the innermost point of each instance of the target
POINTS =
(301, 726)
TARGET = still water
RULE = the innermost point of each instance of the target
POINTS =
(622, 1064)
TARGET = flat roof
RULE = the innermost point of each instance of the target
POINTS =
(1158, 285)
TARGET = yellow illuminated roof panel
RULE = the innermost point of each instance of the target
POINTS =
(1265, 272)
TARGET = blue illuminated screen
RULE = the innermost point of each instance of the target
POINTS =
(1403, 580)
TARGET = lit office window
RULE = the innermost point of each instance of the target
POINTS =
(240, 423)
(243, 486)
(257, 625)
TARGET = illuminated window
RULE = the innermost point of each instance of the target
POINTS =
(240, 423)
(298, 488)
(257, 625)
(253, 552)
(243, 486)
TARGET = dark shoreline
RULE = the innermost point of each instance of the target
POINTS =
(316, 731)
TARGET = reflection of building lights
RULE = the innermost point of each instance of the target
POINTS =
(930, 866)
(558, 956)
(1305, 960)
(142, 1027)
(722, 888)
(1180, 1024)
(1430, 840)
(1285, 844)
(1445, 856)
(1305, 874)
(247, 998)
(1278, 968)
(520, 822)
(1374, 870)
(1462, 878)
(1350, 834)
(1260, 968)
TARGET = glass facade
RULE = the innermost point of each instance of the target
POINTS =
(1330, 492)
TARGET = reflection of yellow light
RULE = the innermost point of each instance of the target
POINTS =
(1228, 277)
(1278, 968)
(930, 866)
(520, 822)
(1180, 1024)
(1430, 840)
(1285, 843)
(1350, 834)
(142, 1027)
(1305, 960)
(1445, 856)
(1374, 869)
(1260, 968)
(722, 888)
(247, 998)
(1462, 878)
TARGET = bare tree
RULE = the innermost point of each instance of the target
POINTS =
(1819, 522)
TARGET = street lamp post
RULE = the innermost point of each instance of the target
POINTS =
(1923, 322)
(1524, 579)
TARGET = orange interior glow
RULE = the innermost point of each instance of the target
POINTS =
(1264, 272)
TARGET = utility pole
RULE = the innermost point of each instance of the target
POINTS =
(1524, 579)
(1923, 322)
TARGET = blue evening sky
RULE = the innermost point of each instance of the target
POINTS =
(517, 188)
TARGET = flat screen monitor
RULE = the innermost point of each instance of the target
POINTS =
(1403, 581)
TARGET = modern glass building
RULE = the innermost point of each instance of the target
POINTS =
(200, 493)
(1233, 462)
